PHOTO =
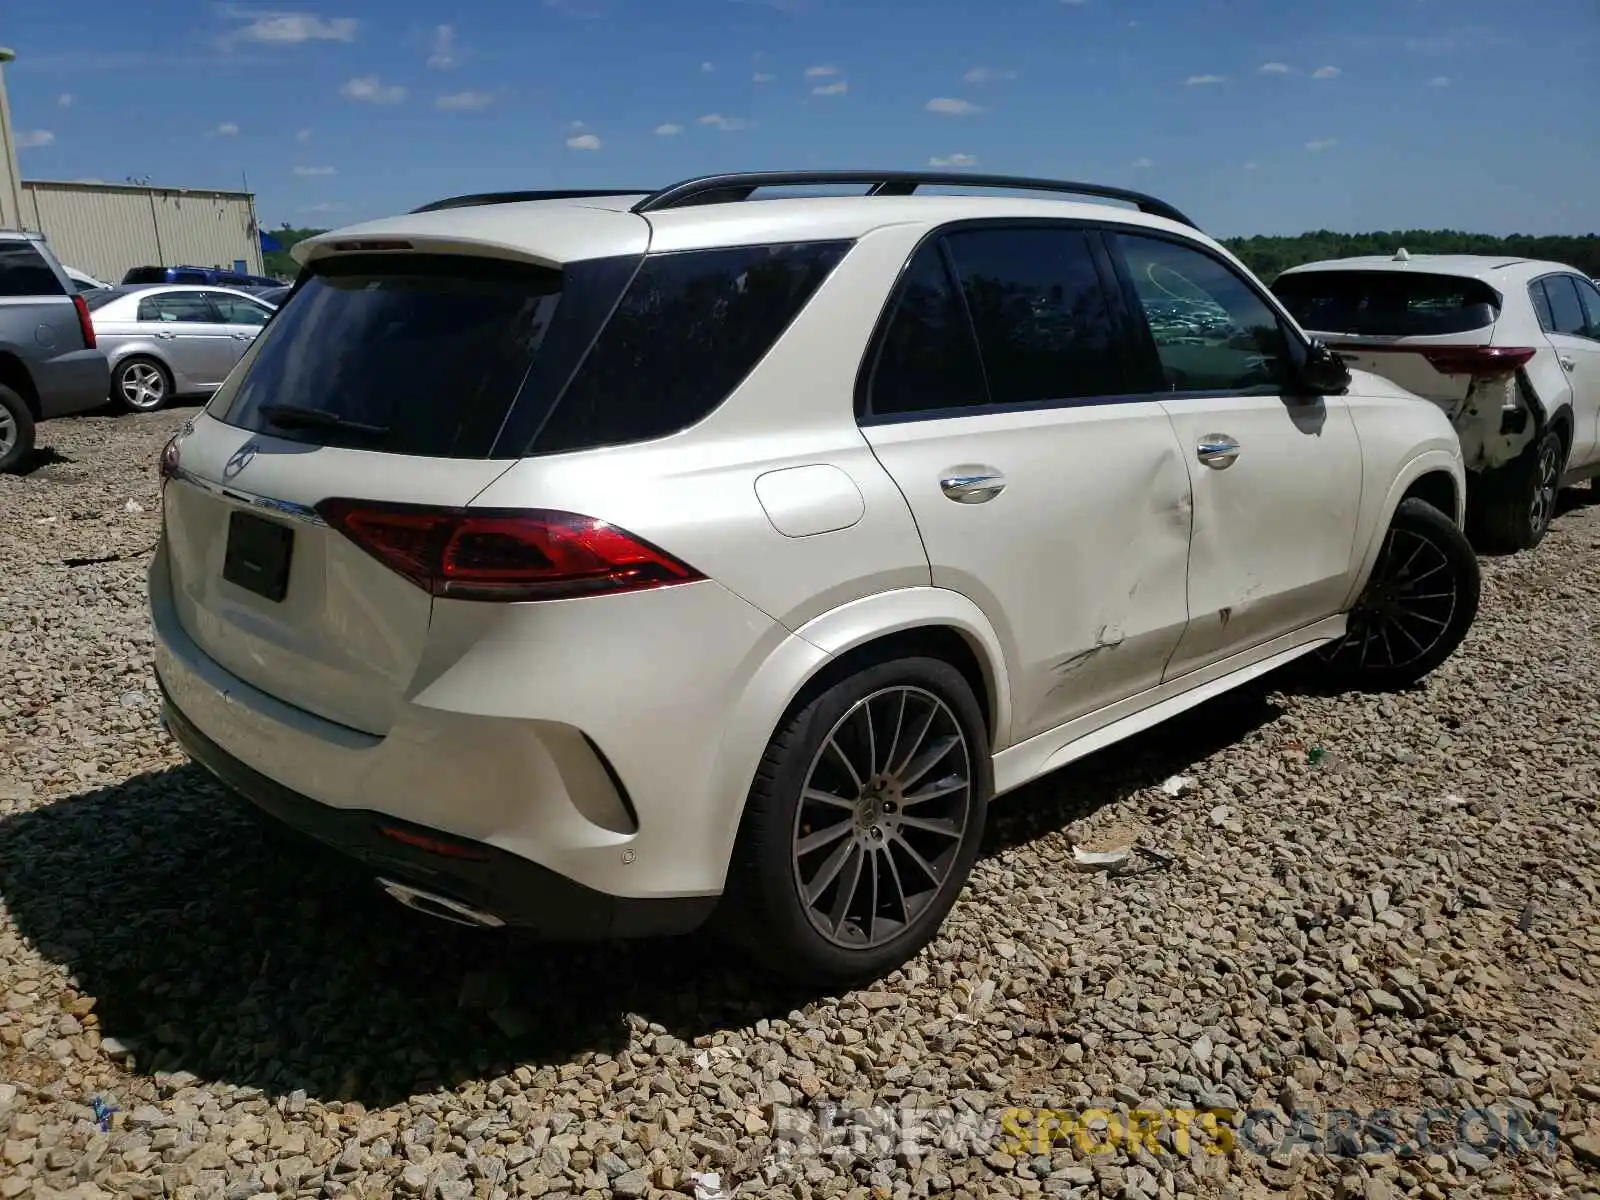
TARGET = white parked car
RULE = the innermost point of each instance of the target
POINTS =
(1508, 348)
(82, 281)
(172, 340)
(602, 564)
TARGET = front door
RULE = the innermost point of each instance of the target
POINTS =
(198, 345)
(1044, 493)
(243, 317)
(1276, 474)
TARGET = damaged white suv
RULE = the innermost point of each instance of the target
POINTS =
(605, 563)
(1509, 348)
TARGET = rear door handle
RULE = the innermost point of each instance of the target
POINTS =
(1567, 364)
(1217, 451)
(972, 489)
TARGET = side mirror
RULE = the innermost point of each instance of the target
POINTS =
(1323, 371)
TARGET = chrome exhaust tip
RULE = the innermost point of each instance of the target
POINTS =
(441, 908)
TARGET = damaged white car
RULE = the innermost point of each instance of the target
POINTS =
(1508, 347)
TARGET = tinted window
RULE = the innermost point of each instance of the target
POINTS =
(1541, 305)
(1566, 311)
(689, 328)
(1388, 303)
(927, 360)
(1042, 321)
(430, 350)
(176, 306)
(99, 299)
(1212, 331)
(24, 271)
(236, 310)
(146, 275)
(1589, 295)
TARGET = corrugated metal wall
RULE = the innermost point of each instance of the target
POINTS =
(105, 229)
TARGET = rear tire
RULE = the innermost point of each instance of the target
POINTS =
(1416, 608)
(17, 432)
(861, 825)
(141, 384)
(1519, 500)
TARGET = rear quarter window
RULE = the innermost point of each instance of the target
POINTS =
(1388, 303)
(689, 328)
(24, 271)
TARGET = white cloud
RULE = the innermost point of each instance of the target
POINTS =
(583, 141)
(988, 75)
(28, 139)
(287, 28)
(227, 129)
(950, 107)
(668, 130)
(464, 101)
(763, 77)
(821, 72)
(1141, 163)
(1317, 145)
(1326, 73)
(576, 125)
(322, 208)
(707, 67)
(1274, 68)
(726, 124)
(303, 136)
(954, 160)
(1439, 81)
(65, 100)
(837, 88)
(1250, 166)
(445, 52)
(372, 90)
(1204, 80)
(306, 172)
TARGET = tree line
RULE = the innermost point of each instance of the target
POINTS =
(1267, 256)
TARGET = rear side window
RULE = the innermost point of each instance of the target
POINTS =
(416, 355)
(690, 327)
(24, 271)
(927, 360)
(1388, 303)
(176, 306)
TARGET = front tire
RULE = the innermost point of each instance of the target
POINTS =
(861, 825)
(141, 385)
(1519, 500)
(1417, 606)
(16, 431)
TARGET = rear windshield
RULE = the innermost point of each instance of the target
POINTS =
(146, 275)
(1388, 303)
(421, 355)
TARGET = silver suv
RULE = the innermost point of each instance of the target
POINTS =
(49, 363)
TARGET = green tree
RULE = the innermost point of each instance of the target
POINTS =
(1267, 256)
(278, 262)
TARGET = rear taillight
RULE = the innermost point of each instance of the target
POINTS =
(1479, 361)
(85, 324)
(169, 457)
(467, 554)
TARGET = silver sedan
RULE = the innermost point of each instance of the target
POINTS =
(172, 340)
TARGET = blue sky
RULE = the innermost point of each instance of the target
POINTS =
(1255, 116)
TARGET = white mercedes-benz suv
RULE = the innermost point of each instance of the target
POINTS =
(604, 563)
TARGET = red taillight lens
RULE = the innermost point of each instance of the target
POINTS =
(85, 323)
(497, 555)
(1479, 360)
(169, 457)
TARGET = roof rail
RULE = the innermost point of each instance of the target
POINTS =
(721, 189)
(481, 198)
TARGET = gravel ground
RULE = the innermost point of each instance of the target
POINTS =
(1354, 903)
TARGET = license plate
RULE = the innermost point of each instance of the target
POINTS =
(258, 555)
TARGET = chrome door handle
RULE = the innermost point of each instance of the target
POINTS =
(1217, 450)
(972, 489)
(166, 335)
(1567, 364)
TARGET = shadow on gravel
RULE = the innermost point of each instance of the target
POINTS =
(213, 949)
(42, 456)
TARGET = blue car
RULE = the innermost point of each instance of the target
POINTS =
(216, 276)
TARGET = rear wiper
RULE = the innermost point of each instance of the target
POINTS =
(295, 416)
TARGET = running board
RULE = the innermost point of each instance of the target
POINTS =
(1046, 752)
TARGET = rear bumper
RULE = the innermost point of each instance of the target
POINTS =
(484, 878)
(72, 383)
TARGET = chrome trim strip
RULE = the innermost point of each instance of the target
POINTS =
(281, 508)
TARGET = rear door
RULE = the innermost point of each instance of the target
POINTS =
(423, 358)
(1044, 492)
(1276, 473)
(198, 344)
(1571, 317)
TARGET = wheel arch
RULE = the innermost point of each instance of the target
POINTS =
(1425, 476)
(15, 375)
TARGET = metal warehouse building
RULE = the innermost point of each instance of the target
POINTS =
(106, 228)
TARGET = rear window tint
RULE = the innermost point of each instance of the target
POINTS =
(428, 352)
(24, 271)
(146, 275)
(690, 327)
(1388, 303)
